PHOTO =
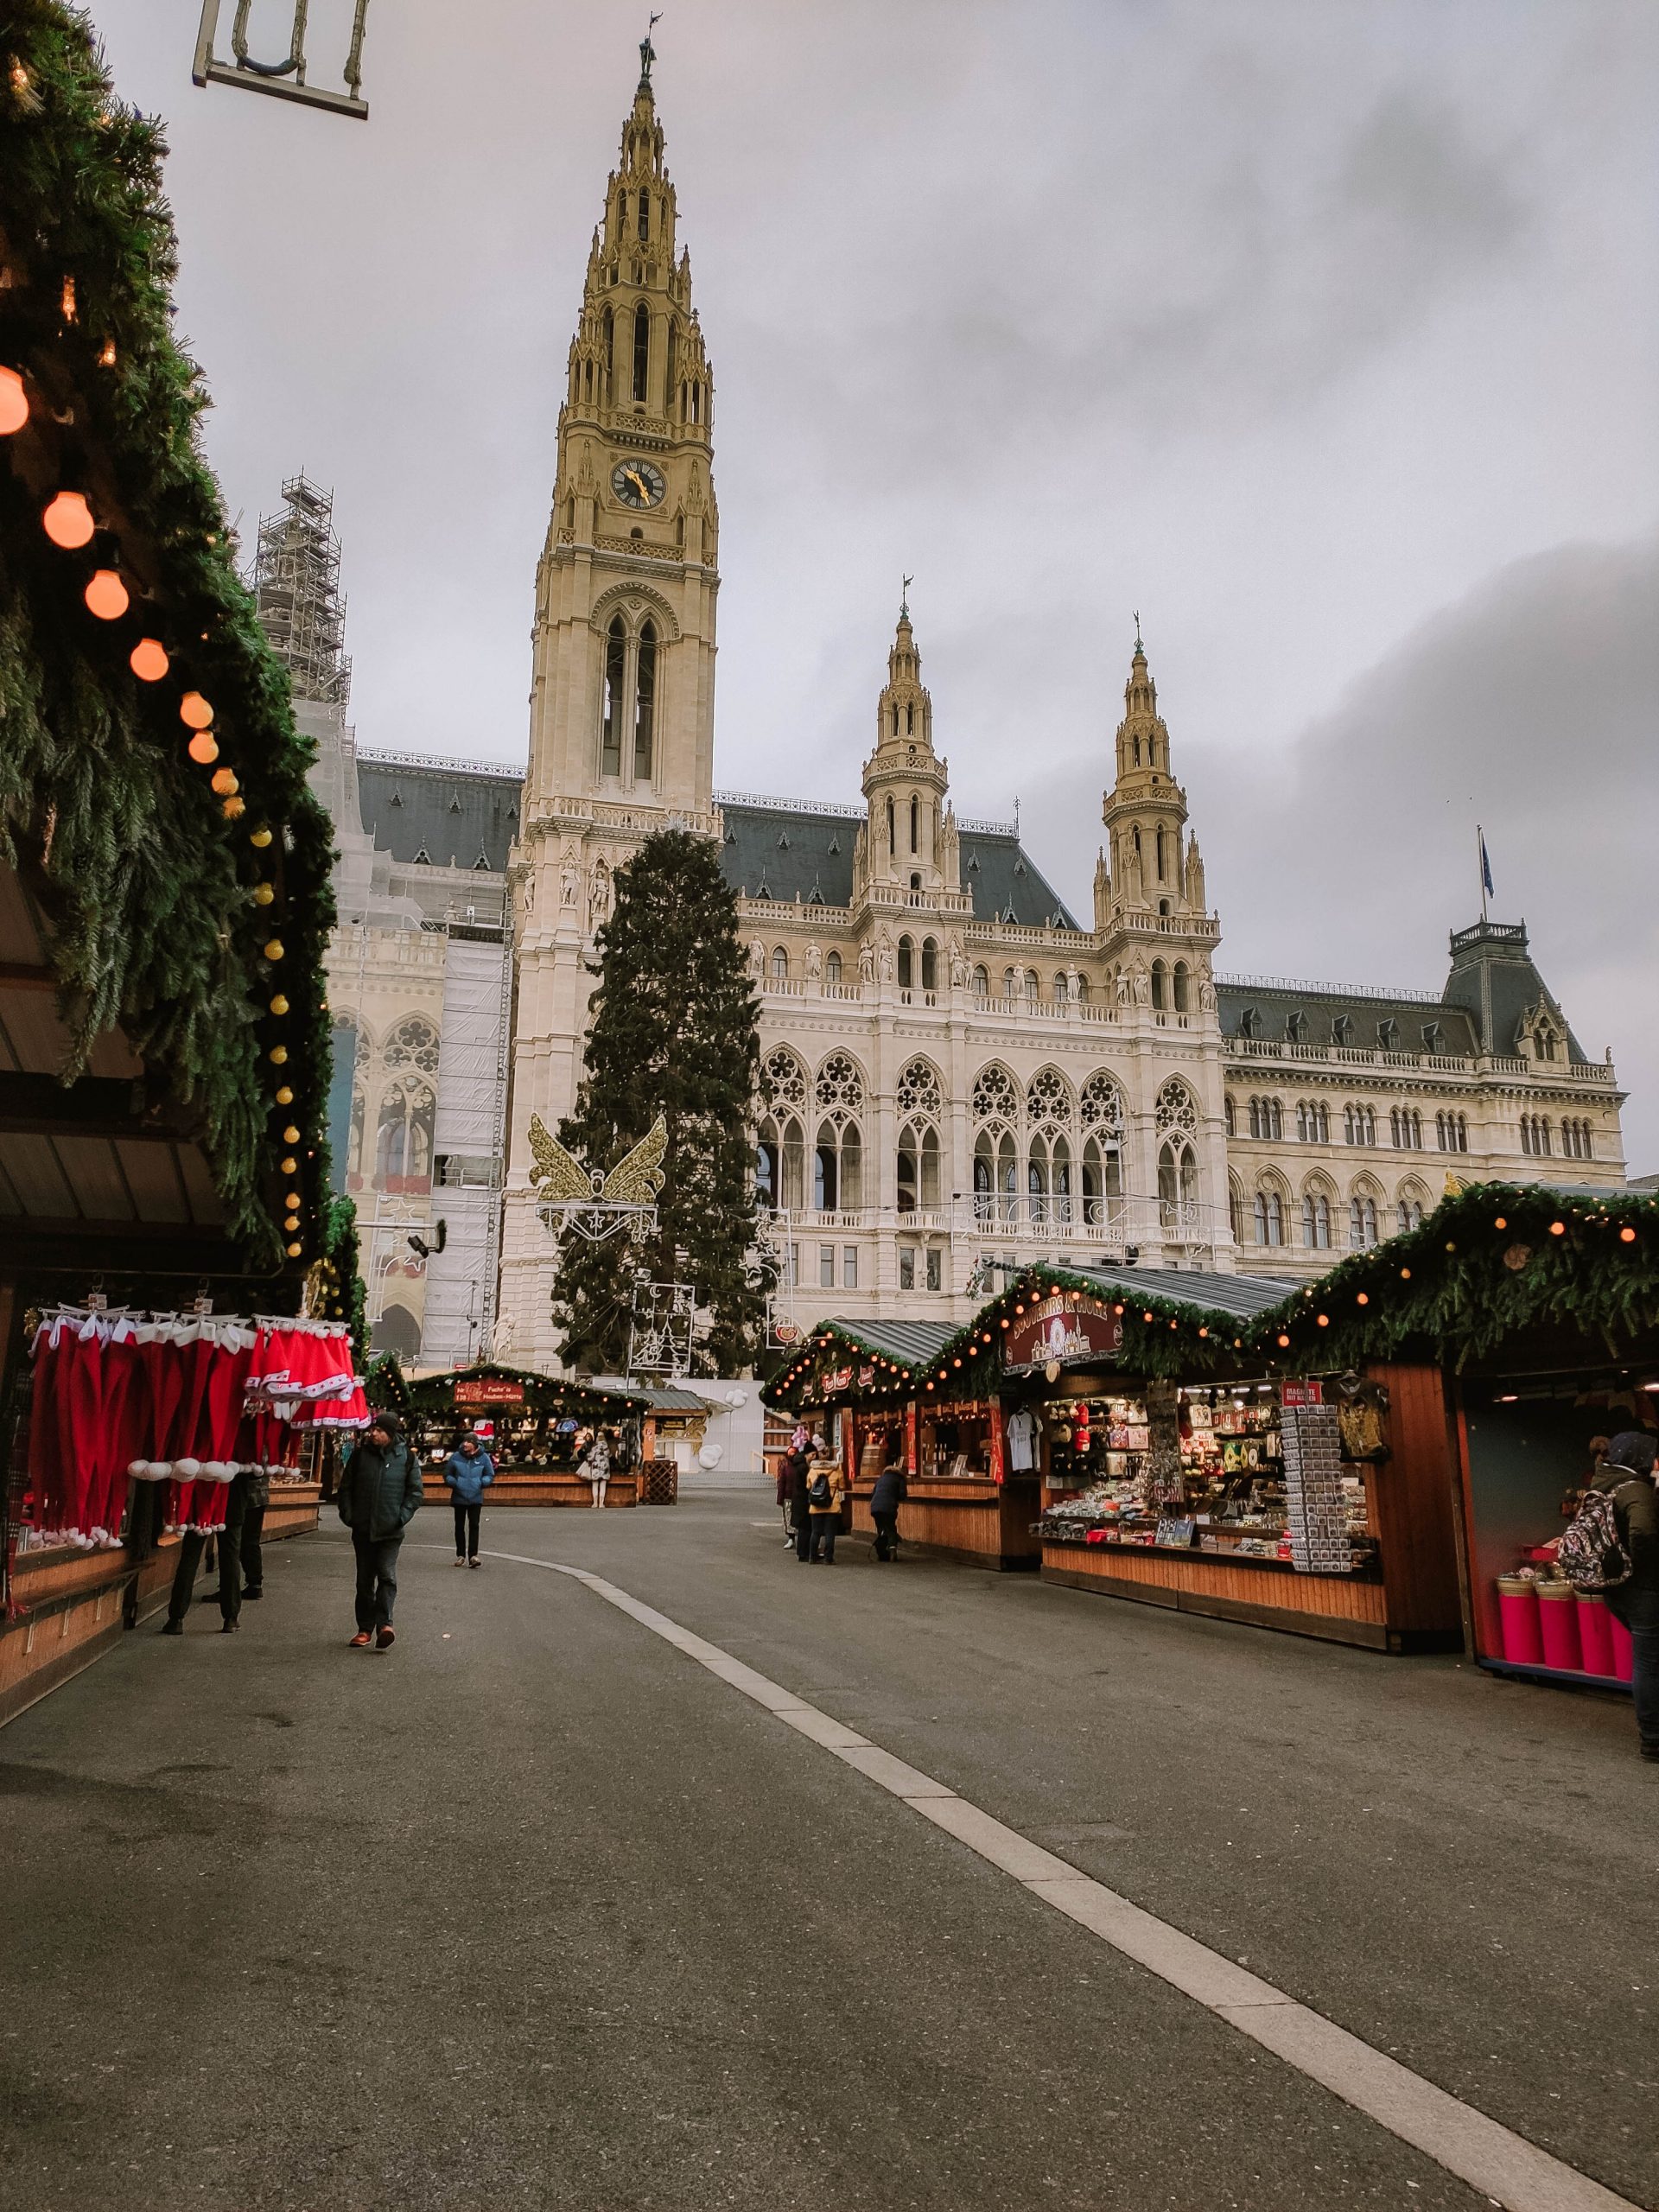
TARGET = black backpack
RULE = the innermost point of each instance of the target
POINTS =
(818, 1490)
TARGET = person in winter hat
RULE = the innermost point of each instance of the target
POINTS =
(885, 1500)
(467, 1473)
(379, 1493)
(826, 1487)
(1627, 1473)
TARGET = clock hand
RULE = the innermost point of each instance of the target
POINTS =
(637, 482)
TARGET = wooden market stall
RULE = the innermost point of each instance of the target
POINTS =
(536, 1427)
(165, 896)
(1534, 1309)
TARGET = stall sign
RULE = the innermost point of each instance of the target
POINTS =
(1301, 1393)
(842, 1379)
(488, 1390)
(485, 1430)
(910, 1440)
(1057, 1332)
(866, 1377)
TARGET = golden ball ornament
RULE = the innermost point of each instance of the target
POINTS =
(233, 808)
(285, 1096)
(291, 1134)
(278, 1055)
(294, 1251)
(263, 894)
(260, 838)
(279, 1005)
(273, 948)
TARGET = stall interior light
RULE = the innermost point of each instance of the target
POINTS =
(1508, 1397)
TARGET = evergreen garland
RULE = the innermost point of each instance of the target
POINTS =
(672, 1033)
(147, 883)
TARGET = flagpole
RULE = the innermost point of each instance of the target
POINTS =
(1480, 867)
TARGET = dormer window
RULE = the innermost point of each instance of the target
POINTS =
(1249, 1023)
(397, 798)
(455, 804)
(1388, 1033)
(422, 859)
(1296, 1028)
(1342, 1029)
(1434, 1036)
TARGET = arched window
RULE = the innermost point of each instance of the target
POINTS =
(838, 1157)
(646, 699)
(616, 650)
(1160, 975)
(1010, 984)
(1158, 849)
(1269, 1217)
(1359, 1124)
(1316, 1221)
(607, 340)
(1235, 1210)
(906, 963)
(1062, 989)
(1313, 1122)
(1182, 988)
(1177, 1182)
(1229, 1115)
(929, 965)
(1034, 988)
(644, 215)
(1361, 1221)
(982, 984)
(919, 1167)
(892, 832)
(403, 1147)
(1410, 1209)
(915, 824)
(641, 351)
(832, 967)
(1267, 1119)
(780, 963)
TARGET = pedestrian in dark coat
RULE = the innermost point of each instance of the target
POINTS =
(467, 1473)
(800, 1513)
(1627, 1473)
(886, 1498)
(379, 1492)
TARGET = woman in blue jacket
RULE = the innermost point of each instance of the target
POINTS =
(469, 1471)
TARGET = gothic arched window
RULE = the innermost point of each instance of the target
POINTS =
(1160, 994)
(929, 965)
(906, 963)
(641, 351)
(644, 215)
(832, 967)
(915, 824)
(645, 703)
(616, 655)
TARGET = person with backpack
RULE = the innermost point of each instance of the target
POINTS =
(795, 1475)
(825, 1490)
(885, 1500)
(1626, 1479)
(379, 1493)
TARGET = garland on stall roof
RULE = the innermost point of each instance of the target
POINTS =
(152, 783)
(820, 1355)
(1492, 1259)
(384, 1385)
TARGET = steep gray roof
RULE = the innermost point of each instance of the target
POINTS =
(779, 851)
(1322, 1008)
(457, 816)
(1241, 1296)
(1494, 979)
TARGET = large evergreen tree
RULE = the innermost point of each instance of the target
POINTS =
(672, 1032)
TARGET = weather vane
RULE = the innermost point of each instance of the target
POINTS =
(1137, 630)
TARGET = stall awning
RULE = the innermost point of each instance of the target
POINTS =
(1239, 1297)
(905, 1346)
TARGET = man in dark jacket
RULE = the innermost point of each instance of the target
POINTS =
(1627, 1473)
(379, 1490)
(798, 1468)
(468, 1471)
(885, 1501)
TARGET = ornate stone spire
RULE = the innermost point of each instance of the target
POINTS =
(913, 838)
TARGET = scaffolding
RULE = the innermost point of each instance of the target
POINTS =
(297, 589)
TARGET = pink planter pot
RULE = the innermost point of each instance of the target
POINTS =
(1517, 1606)
(1595, 1636)
(1558, 1625)
(1624, 1658)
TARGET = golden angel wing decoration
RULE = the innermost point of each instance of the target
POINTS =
(636, 1180)
(557, 1174)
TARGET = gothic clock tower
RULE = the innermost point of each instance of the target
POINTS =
(622, 698)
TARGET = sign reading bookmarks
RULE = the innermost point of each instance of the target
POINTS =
(488, 1390)
(1055, 1331)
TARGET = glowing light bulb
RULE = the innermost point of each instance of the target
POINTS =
(203, 748)
(14, 403)
(195, 710)
(233, 808)
(148, 660)
(68, 521)
(225, 782)
(106, 595)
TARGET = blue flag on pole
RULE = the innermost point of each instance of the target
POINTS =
(1485, 867)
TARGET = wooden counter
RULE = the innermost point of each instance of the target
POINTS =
(972, 1519)
(536, 1486)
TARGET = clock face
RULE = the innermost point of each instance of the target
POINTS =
(637, 483)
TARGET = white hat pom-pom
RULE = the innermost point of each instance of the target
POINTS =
(187, 1470)
(138, 1470)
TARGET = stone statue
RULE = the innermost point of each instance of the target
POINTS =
(1206, 994)
(1073, 985)
(885, 959)
(866, 963)
(1120, 986)
(567, 883)
(599, 893)
(757, 958)
(814, 962)
(958, 965)
(1140, 985)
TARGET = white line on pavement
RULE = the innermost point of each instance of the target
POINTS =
(1504, 2166)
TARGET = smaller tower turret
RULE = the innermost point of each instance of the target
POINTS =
(912, 842)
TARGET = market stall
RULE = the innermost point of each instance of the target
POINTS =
(164, 910)
(536, 1427)
(1543, 1302)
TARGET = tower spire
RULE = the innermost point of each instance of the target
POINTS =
(648, 54)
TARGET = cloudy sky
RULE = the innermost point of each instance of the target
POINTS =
(1326, 333)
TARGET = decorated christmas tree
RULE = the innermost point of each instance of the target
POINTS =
(672, 1032)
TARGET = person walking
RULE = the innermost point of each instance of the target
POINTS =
(248, 1552)
(886, 1498)
(1627, 1473)
(467, 1473)
(380, 1491)
(227, 1543)
(825, 1489)
(596, 1466)
(798, 1464)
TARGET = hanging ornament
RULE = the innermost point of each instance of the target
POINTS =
(106, 595)
(67, 521)
(263, 894)
(148, 660)
(14, 403)
(278, 1055)
(274, 949)
(285, 1096)
(279, 1005)
(260, 838)
(291, 1134)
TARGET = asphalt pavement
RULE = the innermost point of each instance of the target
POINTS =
(533, 1910)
